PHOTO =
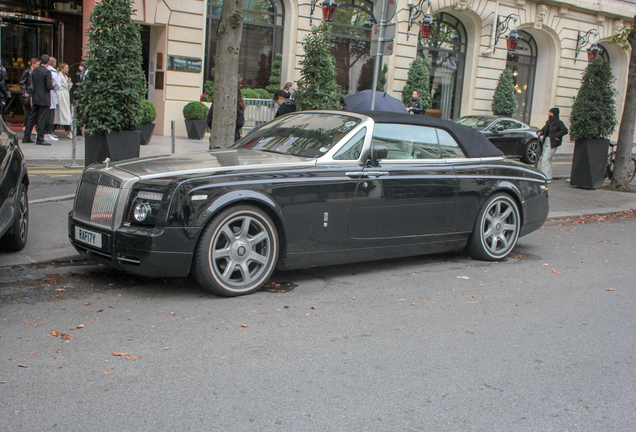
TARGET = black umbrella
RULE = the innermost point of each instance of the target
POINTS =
(383, 102)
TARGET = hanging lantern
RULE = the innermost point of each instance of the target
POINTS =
(513, 40)
(592, 52)
(329, 9)
(426, 26)
(368, 25)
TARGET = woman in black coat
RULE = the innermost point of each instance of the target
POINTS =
(553, 131)
(240, 115)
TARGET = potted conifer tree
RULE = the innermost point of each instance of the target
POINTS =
(195, 115)
(418, 79)
(109, 98)
(592, 122)
(504, 101)
(148, 116)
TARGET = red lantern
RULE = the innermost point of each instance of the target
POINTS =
(592, 52)
(426, 26)
(513, 40)
(329, 9)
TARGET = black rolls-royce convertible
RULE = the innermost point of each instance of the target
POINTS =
(308, 189)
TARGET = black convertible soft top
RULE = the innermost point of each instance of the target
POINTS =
(472, 141)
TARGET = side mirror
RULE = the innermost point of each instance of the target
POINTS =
(499, 128)
(377, 153)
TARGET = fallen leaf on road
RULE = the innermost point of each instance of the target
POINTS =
(21, 365)
(59, 351)
(67, 337)
(313, 308)
(166, 348)
(107, 373)
(224, 322)
(556, 271)
(59, 289)
(29, 322)
(286, 307)
(610, 289)
(53, 334)
(131, 357)
(58, 296)
(88, 304)
(101, 310)
(243, 325)
(115, 353)
(80, 326)
(33, 353)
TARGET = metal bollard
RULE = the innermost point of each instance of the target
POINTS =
(172, 135)
(73, 142)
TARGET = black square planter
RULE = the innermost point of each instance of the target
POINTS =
(115, 145)
(146, 132)
(196, 129)
(589, 162)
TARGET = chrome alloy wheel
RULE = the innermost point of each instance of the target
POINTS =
(23, 218)
(499, 227)
(241, 251)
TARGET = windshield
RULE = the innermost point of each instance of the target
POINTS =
(475, 122)
(305, 134)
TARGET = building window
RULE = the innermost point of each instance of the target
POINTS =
(603, 53)
(354, 64)
(445, 53)
(523, 63)
(262, 39)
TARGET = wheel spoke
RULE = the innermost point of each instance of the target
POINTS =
(506, 213)
(510, 227)
(253, 241)
(229, 269)
(227, 231)
(261, 259)
(244, 268)
(221, 253)
(245, 228)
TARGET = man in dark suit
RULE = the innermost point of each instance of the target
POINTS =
(42, 86)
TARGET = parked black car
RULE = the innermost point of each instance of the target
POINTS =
(514, 138)
(14, 185)
(308, 189)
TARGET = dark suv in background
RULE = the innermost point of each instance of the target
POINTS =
(14, 184)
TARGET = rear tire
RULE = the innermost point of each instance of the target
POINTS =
(496, 229)
(237, 252)
(532, 152)
(15, 238)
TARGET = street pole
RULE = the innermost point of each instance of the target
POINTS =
(73, 142)
(172, 135)
(376, 61)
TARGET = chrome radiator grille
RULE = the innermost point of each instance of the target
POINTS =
(96, 203)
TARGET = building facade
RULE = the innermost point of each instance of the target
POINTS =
(179, 38)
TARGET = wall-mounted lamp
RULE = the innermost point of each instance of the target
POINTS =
(584, 39)
(427, 23)
(328, 10)
(368, 26)
(512, 40)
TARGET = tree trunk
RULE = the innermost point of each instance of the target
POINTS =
(228, 47)
(620, 179)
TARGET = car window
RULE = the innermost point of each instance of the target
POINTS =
(407, 141)
(510, 124)
(303, 134)
(352, 149)
(475, 122)
(448, 146)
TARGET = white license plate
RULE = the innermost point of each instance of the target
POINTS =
(88, 237)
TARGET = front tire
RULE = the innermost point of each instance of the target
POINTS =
(532, 152)
(496, 229)
(237, 252)
(15, 239)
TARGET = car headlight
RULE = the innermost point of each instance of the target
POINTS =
(142, 211)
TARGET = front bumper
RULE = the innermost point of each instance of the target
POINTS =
(153, 252)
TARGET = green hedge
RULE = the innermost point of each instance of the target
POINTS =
(195, 111)
(148, 111)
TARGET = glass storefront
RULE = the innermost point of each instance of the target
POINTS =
(445, 54)
(262, 39)
(352, 44)
(523, 62)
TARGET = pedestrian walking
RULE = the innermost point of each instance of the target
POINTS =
(42, 86)
(63, 110)
(288, 88)
(240, 116)
(5, 93)
(415, 104)
(553, 132)
(50, 123)
(26, 92)
(283, 104)
(80, 76)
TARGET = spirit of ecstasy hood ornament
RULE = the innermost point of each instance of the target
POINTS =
(106, 161)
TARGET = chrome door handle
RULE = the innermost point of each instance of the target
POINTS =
(377, 173)
(365, 174)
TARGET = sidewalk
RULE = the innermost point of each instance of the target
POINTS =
(48, 238)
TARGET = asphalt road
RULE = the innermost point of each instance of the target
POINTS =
(543, 341)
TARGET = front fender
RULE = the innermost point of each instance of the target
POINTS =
(236, 197)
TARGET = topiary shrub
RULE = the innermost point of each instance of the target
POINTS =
(382, 79)
(148, 111)
(263, 94)
(208, 89)
(109, 97)
(418, 79)
(594, 108)
(504, 101)
(195, 111)
(249, 94)
(319, 89)
(274, 79)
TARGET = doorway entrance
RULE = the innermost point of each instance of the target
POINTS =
(523, 63)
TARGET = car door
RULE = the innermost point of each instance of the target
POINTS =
(410, 194)
(513, 138)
